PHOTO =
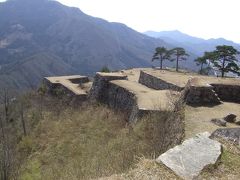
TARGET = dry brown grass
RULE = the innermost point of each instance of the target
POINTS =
(146, 169)
(229, 166)
(93, 141)
(85, 142)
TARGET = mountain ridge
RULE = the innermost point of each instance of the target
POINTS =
(79, 42)
(195, 44)
(85, 43)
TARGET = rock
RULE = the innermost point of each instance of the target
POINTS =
(229, 134)
(219, 122)
(189, 159)
(230, 118)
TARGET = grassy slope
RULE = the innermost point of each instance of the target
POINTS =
(93, 141)
(147, 169)
(84, 142)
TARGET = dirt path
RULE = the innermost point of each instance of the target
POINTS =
(197, 119)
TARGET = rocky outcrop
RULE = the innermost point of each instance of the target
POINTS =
(192, 156)
(227, 92)
(229, 134)
(156, 83)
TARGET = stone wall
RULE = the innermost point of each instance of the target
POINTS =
(61, 91)
(101, 85)
(121, 99)
(108, 91)
(156, 83)
(170, 127)
(200, 94)
(226, 92)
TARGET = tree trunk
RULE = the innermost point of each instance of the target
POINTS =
(177, 65)
(201, 68)
(161, 63)
(223, 67)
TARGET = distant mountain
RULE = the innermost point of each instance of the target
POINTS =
(175, 36)
(43, 38)
(193, 44)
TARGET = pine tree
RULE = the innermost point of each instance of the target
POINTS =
(161, 54)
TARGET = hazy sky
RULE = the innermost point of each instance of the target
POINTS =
(201, 18)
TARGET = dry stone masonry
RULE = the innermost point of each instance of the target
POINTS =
(137, 100)
(150, 91)
(199, 92)
(160, 92)
(100, 87)
(75, 87)
(154, 82)
(133, 98)
(228, 92)
(198, 89)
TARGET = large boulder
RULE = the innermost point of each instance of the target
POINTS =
(192, 156)
(229, 134)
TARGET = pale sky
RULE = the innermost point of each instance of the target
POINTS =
(201, 18)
